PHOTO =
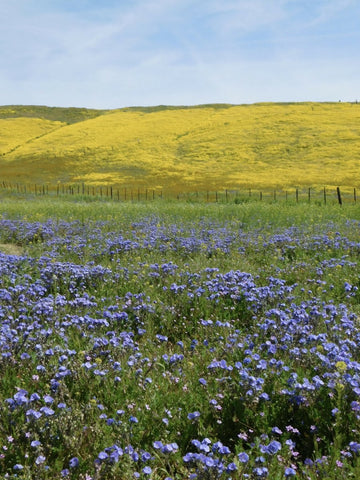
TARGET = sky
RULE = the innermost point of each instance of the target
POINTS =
(119, 53)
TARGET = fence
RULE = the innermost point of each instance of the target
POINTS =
(124, 194)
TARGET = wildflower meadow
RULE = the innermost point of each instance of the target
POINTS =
(173, 341)
(184, 149)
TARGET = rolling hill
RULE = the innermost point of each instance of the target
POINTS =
(184, 148)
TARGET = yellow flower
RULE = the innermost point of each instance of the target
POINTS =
(341, 366)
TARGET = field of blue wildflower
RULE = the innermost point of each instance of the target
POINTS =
(177, 341)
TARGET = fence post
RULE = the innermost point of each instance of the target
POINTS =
(297, 195)
(309, 194)
(325, 195)
(338, 195)
(354, 195)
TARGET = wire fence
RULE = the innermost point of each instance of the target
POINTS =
(125, 194)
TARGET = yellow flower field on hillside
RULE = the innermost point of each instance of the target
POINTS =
(15, 132)
(200, 148)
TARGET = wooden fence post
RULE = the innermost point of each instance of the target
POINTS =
(325, 195)
(354, 195)
(339, 195)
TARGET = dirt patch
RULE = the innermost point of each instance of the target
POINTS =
(10, 249)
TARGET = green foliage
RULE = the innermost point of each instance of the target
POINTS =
(59, 114)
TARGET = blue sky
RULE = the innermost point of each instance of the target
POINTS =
(118, 53)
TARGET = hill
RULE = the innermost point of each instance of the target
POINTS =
(183, 148)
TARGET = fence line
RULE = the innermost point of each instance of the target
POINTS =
(126, 194)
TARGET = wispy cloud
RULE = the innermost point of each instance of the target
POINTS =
(111, 53)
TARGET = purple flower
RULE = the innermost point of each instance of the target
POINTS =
(272, 448)
(261, 472)
(243, 457)
(145, 457)
(193, 415)
(147, 470)
(103, 456)
(31, 413)
(74, 462)
(47, 411)
(354, 447)
(20, 397)
(290, 472)
(40, 459)
(231, 467)
(157, 444)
